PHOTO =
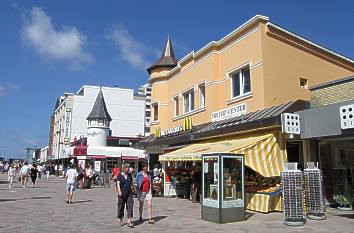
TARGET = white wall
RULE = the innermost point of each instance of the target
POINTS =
(127, 114)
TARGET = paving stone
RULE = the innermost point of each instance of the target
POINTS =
(43, 209)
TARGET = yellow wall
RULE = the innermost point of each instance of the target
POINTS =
(286, 60)
(275, 68)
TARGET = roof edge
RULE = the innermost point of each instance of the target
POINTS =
(301, 38)
(330, 83)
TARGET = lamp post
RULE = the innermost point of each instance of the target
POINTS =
(58, 152)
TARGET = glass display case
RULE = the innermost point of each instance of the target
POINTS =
(223, 188)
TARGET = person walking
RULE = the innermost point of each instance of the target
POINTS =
(125, 189)
(24, 174)
(71, 176)
(144, 183)
(33, 174)
(115, 172)
(11, 173)
(40, 170)
(46, 169)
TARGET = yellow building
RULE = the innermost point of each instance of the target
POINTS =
(259, 64)
(229, 97)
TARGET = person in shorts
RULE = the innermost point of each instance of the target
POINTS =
(24, 172)
(144, 187)
(71, 176)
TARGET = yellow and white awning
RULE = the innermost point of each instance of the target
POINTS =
(265, 154)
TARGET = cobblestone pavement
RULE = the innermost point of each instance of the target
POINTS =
(43, 209)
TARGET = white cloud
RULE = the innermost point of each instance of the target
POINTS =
(66, 44)
(130, 49)
(14, 87)
(9, 88)
(2, 91)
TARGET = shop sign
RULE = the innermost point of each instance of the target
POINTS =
(347, 116)
(97, 166)
(172, 131)
(81, 164)
(67, 126)
(227, 113)
(187, 125)
(290, 123)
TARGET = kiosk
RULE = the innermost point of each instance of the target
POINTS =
(223, 197)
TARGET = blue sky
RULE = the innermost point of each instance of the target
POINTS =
(51, 47)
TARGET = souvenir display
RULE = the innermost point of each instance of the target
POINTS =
(293, 207)
(313, 193)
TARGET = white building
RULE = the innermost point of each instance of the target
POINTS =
(145, 90)
(43, 156)
(126, 110)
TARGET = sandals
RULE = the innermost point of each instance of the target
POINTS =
(151, 221)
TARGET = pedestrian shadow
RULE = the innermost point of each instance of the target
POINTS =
(156, 219)
(77, 202)
(350, 216)
(29, 198)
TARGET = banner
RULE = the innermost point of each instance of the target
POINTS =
(97, 166)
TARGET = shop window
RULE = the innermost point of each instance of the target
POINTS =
(202, 95)
(241, 82)
(155, 109)
(176, 102)
(188, 101)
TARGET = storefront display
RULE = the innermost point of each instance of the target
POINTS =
(263, 194)
(223, 198)
(313, 193)
(293, 206)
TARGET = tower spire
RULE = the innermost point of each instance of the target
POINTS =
(167, 59)
(99, 110)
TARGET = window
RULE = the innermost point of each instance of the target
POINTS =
(202, 95)
(303, 82)
(155, 108)
(188, 101)
(100, 122)
(176, 100)
(241, 82)
(148, 114)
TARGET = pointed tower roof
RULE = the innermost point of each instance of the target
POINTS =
(167, 59)
(99, 110)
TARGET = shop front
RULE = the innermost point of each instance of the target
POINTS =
(104, 158)
(258, 136)
(328, 134)
(264, 156)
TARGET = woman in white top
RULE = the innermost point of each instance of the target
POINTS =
(11, 175)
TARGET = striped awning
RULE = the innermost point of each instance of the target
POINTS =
(264, 154)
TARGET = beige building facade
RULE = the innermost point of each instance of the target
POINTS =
(256, 66)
